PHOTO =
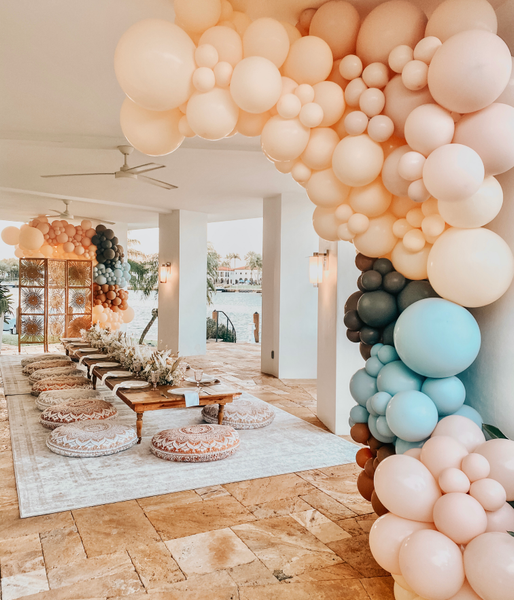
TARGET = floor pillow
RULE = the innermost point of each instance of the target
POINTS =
(45, 364)
(61, 383)
(241, 414)
(196, 443)
(91, 438)
(40, 357)
(46, 399)
(74, 411)
(70, 371)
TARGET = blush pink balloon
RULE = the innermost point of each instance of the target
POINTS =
(400, 102)
(489, 493)
(428, 127)
(432, 565)
(442, 452)
(501, 520)
(284, 139)
(460, 517)
(453, 480)
(500, 455)
(466, 592)
(475, 466)
(393, 181)
(407, 488)
(325, 224)
(462, 429)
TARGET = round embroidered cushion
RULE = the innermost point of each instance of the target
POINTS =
(197, 443)
(41, 357)
(61, 383)
(55, 372)
(91, 438)
(241, 414)
(45, 364)
(46, 399)
(77, 410)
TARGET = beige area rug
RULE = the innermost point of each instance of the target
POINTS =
(14, 381)
(48, 482)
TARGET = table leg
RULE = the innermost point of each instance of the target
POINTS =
(139, 426)
(93, 378)
(221, 412)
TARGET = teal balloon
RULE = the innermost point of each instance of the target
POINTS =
(470, 413)
(448, 394)
(362, 386)
(397, 377)
(411, 416)
(373, 366)
(402, 446)
(437, 338)
(372, 424)
(351, 422)
(370, 409)
(383, 427)
(379, 402)
(387, 354)
(359, 414)
(375, 349)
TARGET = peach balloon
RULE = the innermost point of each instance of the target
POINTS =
(47, 251)
(471, 267)
(337, 23)
(372, 101)
(284, 139)
(318, 153)
(400, 206)
(507, 96)
(376, 75)
(389, 25)
(379, 238)
(399, 57)
(489, 493)
(206, 55)
(197, 15)
(410, 166)
(291, 31)
(401, 227)
(300, 173)
(311, 115)
(326, 190)
(358, 223)
(454, 16)
(85, 225)
(415, 75)
(343, 213)
(18, 252)
(305, 93)
(357, 160)
(309, 60)
(489, 565)
(90, 233)
(433, 225)
(251, 125)
(428, 127)
(154, 64)
(442, 452)
(356, 122)
(289, 106)
(11, 235)
(400, 102)
(256, 84)
(241, 21)
(353, 92)
(31, 238)
(417, 191)
(268, 38)
(412, 265)
(490, 132)
(392, 179)
(227, 43)
(475, 466)
(350, 67)
(223, 73)
(469, 71)
(453, 480)
(414, 240)
(462, 429)
(426, 48)
(325, 223)
(184, 127)
(43, 227)
(371, 200)
(432, 565)
(330, 97)
(344, 233)
(386, 537)
(501, 520)
(151, 132)
(500, 455)
(204, 79)
(212, 115)
(380, 128)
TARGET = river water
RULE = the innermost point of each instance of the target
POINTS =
(239, 306)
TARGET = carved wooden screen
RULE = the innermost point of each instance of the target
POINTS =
(55, 300)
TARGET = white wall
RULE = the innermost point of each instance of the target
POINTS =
(289, 301)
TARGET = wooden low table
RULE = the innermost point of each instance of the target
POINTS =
(143, 400)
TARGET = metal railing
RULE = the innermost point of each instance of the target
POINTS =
(231, 330)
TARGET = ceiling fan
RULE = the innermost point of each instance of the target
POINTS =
(128, 172)
(67, 216)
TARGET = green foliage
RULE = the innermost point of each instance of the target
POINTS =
(6, 303)
(227, 335)
(144, 274)
(9, 269)
(232, 256)
(493, 432)
(213, 261)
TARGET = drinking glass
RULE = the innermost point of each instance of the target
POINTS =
(137, 366)
(198, 376)
(154, 379)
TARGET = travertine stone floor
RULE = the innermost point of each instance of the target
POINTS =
(302, 536)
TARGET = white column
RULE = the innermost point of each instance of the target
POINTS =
(289, 301)
(338, 358)
(182, 301)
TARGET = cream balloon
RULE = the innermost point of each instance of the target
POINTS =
(227, 43)
(309, 60)
(289, 106)
(337, 23)
(501, 520)
(343, 213)
(475, 466)
(206, 55)
(197, 15)
(355, 122)
(322, 143)
(292, 32)
(301, 173)
(267, 38)
(223, 74)
(371, 200)
(426, 48)
(433, 225)
(400, 102)
(454, 16)
(469, 71)
(344, 233)
(325, 224)
(212, 115)
(325, 189)
(357, 160)
(453, 479)
(284, 139)
(415, 75)
(376, 75)
(428, 127)
(305, 93)
(471, 267)
(154, 64)
(490, 493)
(389, 25)
(412, 265)
(379, 239)
(350, 67)
(241, 21)
(11, 234)
(372, 101)
(410, 166)
(256, 84)
(330, 97)
(507, 96)
(460, 516)
(399, 57)
(380, 128)
(414, 240)
(354, 91)
(311, 115)
(390, 175)
(358, 223)
(251, 125)
(204, 79)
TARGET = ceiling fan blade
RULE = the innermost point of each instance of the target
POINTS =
(75, 174)
(162, 184)
(142, 169)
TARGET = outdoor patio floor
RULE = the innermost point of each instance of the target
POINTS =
(300, 536)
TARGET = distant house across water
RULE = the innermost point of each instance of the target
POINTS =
(230, 276)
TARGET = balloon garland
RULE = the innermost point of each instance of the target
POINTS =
(59, 239)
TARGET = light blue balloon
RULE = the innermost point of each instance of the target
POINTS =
(397, 377)
(126, 266)
(373, 366)
(448, 394)
(362, 386)
(123, 283)
(375, 348)
(470, 413)
(383, 427)
(402, 446)
(359, 414)
(411, 415)
(101, 280)
(387, 354)
(118, 272)
(372, 424)
(437, 338)
(380, 401)
(370, 408)
(351, 422)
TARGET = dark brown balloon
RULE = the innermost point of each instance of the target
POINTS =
(378, 507)
(373, 443)
(351, 303)
(363, 455)
(369, 469)
(353, 336)
(360, 433)
(364, 263)
(385, 451)
(365, 486)
(376, 462)
(365, 350)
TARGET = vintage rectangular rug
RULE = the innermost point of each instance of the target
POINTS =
(49, 483)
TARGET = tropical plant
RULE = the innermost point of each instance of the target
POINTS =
(145, 274)
(222, 332)
(6, 303)
(253, 261)
(233, 256)
(9, 269)
(212, 271)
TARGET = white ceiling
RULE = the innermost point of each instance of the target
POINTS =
(59, 113)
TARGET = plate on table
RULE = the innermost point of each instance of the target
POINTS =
(97, 356)
(118, 374)
(86, 349)
(205, 379)
(79, 344)
(78, 340)
(133, 385)
(105, 364)
(180, 391)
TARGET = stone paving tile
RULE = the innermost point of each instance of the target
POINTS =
(351, 589)
(110, 565)
(61, 547)
(268, 489)
(155, 566)
(355, 551)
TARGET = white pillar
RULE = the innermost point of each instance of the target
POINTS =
(338, 358)
(289, 301)
(182, 301)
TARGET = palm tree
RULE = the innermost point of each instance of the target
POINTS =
(253, 261)
(212, 271)
(233, 256)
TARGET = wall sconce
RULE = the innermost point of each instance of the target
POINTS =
(318, 263)
(165, 272)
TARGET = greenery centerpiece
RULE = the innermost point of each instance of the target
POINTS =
(6, 303)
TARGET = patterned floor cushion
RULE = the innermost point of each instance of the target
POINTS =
(45, 364)
(61, 383)
(91, 438)
(74, 411)
(40, 357)
(46, 399)
(55, 372)
(197, 443)
(241, 414)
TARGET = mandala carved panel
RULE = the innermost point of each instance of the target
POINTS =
(79, 273)
(79, 300)
(32, 300)
(75, 324)
(56, 274)
(32, 330)
(32, 272)
(56, 328)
